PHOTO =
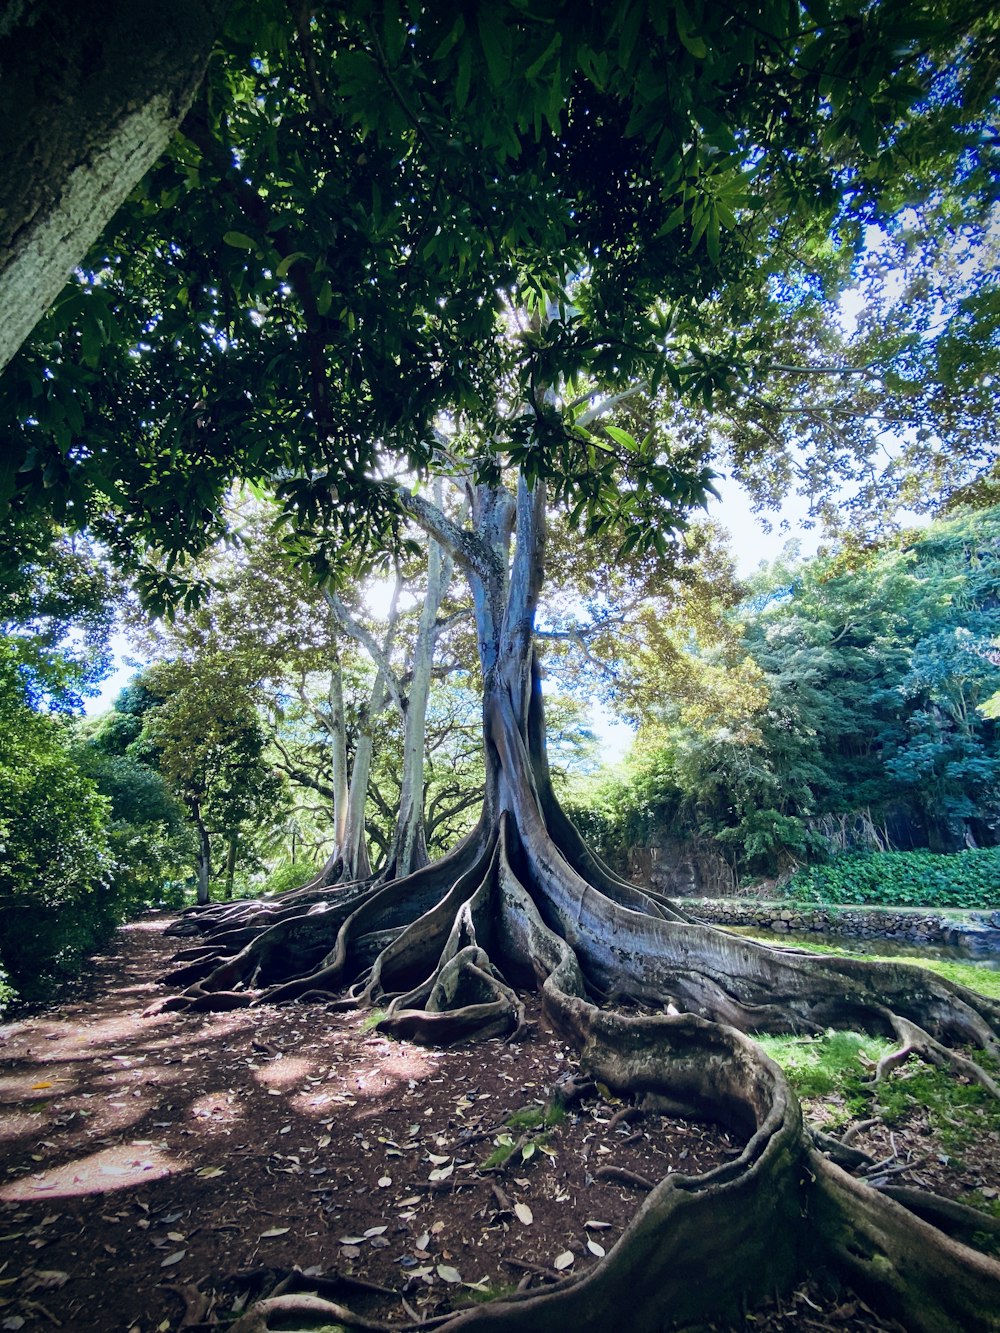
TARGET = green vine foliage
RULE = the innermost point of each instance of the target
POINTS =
(969, 879)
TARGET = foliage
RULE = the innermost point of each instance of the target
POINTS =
(290, 875)
(57, 604)
(310, 274)
(209, 746)
(151, 847)
(57, 901)
(60, 890)
(904, 879)
(860, 722)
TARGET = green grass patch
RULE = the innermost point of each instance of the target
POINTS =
(983, 980)
(372, 1019)
(535, 1117)
(480, 1296)
(836, 1069)
(501, 1152)
(958, 1113)
(829, 1066)
(521, 1123)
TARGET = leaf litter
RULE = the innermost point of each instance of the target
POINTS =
(473, 1204)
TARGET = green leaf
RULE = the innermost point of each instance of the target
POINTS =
(623, 438)
(685, 31)
(239, 240)
(494, 36)
(450, 39)
(282, 270)
(324, 298)
(673, 221)
(712, 235)
(464, 80)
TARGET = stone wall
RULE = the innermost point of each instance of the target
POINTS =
(976, 931)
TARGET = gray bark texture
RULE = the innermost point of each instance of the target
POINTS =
(522, 902)
(89, 97)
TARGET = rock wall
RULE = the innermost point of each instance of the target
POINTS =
(681, 868)
(977, 931)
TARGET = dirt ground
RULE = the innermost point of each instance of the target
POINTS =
(160, 1173)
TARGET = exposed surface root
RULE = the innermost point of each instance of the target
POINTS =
(914, 1041)
(443, 953)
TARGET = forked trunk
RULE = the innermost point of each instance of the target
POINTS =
(523, 902)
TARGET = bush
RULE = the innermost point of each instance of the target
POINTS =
(289, 876)
(904, 879)
(56, 901)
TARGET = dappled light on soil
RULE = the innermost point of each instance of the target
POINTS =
(268, 1139)
(118, 1168)
(216, 1110)
(285, 1073)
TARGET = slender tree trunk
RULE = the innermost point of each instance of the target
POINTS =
(338, 746)
(204, 858)
(356, 862)
(337, 724)
(231, 855)
(89, 97)
(409, 846)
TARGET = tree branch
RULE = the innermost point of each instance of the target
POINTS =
(464, 546)
(370, 644)
(604, 407)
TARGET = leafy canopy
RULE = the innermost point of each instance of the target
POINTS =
(315, 268)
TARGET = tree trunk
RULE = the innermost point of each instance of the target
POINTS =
(231, 854)
(335, 863)
(409, 846)
(523, 901)
(338, 746)
(204, 859)
(356, 864)
(89, 97)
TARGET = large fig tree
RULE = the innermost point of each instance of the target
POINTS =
(312, 274)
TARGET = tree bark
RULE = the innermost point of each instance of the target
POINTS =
(523, 901)
(89, 97)
(204, 859)
(409, 846)
(231, 855)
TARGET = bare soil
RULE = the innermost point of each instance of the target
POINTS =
(159, 1173)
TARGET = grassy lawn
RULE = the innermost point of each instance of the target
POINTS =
(984, 980)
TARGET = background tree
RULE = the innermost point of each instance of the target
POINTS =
(56, 903)
(851, 714)
(210, 748)
(62, 890)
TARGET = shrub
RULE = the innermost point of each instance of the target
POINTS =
(967, 879)
(289, 876)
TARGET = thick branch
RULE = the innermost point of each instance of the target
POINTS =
(464, 546)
